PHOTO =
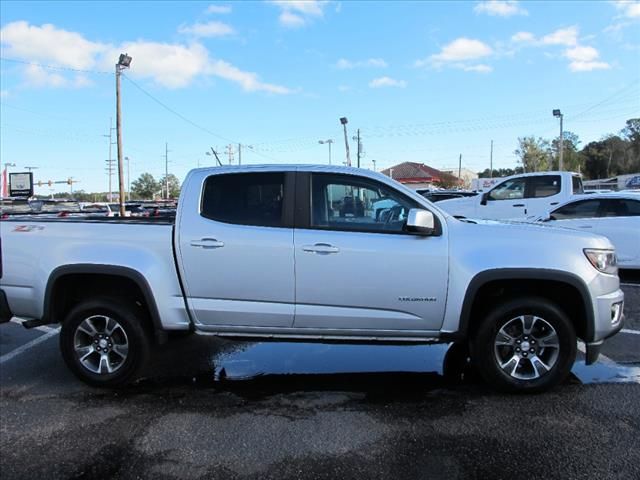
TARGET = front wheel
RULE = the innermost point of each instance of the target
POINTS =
(103, 342)
(525, 345)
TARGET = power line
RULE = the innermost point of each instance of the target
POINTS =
(54, 67)
(183, 118)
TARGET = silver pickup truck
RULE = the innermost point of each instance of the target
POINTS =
(312, 253)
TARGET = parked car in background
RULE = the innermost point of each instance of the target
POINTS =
(440, 195)
(614, 215)
(518, 197)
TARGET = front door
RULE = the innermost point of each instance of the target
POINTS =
(505, 201)
(356, 268)
(236, 250)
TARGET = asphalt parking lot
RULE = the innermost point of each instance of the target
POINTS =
(212, 409)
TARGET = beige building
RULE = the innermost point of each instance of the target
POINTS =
(466, 175)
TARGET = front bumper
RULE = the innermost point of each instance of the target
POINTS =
(609, 320)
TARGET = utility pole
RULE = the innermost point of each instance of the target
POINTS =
(123, 62)
(166, 170)
(230, 153)
(459, 168)
(491, 161)
(344, 122)
(110, 161)
(239, 154)
(128, 180)
(359, 145)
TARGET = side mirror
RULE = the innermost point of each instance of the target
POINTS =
(421, 222)
(483, 199)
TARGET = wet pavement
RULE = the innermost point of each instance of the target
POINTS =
(214, 409)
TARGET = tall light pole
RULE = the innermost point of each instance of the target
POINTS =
(123, 62)
(31, 169)
(128, 180)
(214, 154)
(374, 165)
(327, 142)
(557, 113)
(344, 121)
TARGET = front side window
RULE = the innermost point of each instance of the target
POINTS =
(508, 190)
(343, 203)
(244, 199)
(580, 209)
(544, 186)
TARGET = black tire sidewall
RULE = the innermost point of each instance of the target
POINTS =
(483, 351)
(126, 316)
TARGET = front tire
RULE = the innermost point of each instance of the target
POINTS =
(103, 342)
(525, 345)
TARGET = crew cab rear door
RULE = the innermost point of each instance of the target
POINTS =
(543, 193)
(235, 240)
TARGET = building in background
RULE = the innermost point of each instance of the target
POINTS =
(418, 175)
(466, 175)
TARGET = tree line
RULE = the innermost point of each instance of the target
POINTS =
(614, 154)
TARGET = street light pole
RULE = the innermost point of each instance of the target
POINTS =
(128, 180)
(344, 121)
(123, 62)
(557, 113)
(327, 142)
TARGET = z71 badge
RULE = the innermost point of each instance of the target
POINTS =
(28, 228)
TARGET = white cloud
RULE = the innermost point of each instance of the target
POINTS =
(344, 64)
(209, 29)
(480, 68)
(584, 59)
(344, 88)
(297, 13)
(462, 49)
(37, 76)
(170, 65)
(218, 9)
(628, 8)
(4, 93)
(501, 8)
(387, 82)
(523, 37)
(291, 20)
(249, 81)
(48, 43)
(563, 36)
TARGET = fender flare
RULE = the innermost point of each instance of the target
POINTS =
(515, 274)
(98, 269)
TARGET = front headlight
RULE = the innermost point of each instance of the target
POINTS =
(603, 260)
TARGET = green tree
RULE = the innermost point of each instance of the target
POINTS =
(500, 172)
(174, 185)
(571, 159)
(533, 153)
(145, 187)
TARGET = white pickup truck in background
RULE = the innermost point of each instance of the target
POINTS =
(318, 254)
(518, 197)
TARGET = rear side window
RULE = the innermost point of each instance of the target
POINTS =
(544, 186)
(577, 185)
(620, 208)
(580, 209)
(245, 199)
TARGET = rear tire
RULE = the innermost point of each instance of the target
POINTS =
(525, 345)
(103, 342)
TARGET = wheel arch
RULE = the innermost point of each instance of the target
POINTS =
(98, 274)
(530, 278)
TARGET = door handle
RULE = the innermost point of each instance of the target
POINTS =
(519, 205)
(207, 243)
(554, 203)
(585, 226)
(320, 248)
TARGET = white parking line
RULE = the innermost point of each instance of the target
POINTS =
(632, 332)
(13, 353)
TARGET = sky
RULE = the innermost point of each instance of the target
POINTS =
(423, 81)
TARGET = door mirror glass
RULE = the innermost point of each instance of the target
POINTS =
(421, 222)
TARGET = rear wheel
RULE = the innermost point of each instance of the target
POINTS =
(525, 345)
(104, 343)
